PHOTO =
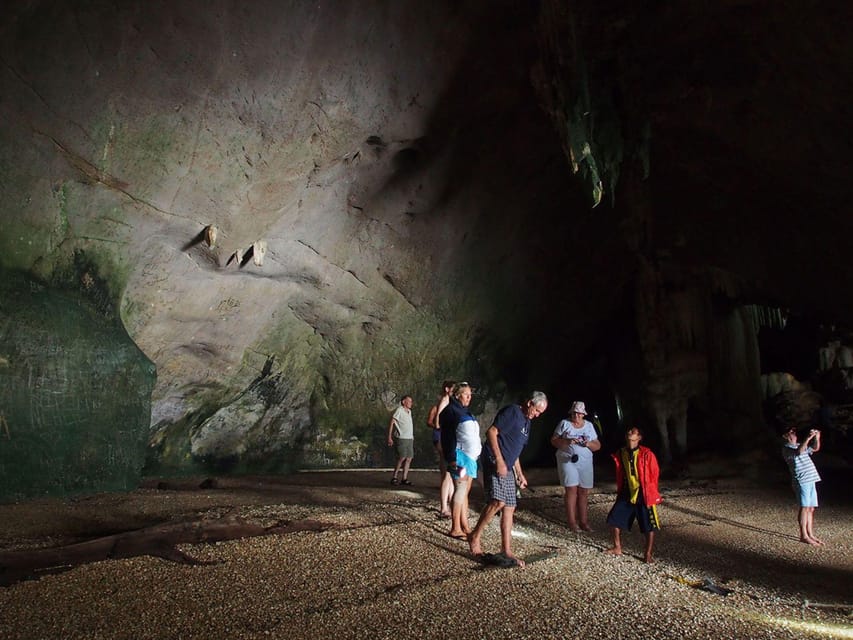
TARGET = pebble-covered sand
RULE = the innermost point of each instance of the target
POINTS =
(385, 567)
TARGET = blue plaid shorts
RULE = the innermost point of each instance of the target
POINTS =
(497, 488)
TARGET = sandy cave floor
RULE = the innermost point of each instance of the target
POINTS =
(383, 566)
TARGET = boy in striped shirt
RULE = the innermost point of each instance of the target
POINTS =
(804, 478)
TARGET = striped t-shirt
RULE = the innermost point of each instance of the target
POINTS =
(801, 465)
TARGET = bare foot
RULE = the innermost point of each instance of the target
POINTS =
(585, 527)
(474, 545)
(518, 561)
(574, 527)
(648, 559)
(614, 551)
(811, 541)
(459, 535)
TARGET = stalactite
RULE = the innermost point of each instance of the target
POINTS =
(769, 317)
(581, 101)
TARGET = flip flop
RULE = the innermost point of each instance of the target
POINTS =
(498, 560)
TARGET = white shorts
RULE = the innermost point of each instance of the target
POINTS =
(573, 474)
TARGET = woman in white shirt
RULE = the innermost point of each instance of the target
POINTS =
(464, 469)
(575, 440)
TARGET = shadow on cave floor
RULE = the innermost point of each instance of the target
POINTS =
(733, 531)
(739, 532)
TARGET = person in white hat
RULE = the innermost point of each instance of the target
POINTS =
(576, 440)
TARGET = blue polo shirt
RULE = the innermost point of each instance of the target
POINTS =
(513, 432)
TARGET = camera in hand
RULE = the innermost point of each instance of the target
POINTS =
(580, 440)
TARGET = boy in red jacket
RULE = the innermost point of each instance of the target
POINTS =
(637, 493)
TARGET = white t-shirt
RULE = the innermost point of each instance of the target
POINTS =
(403, 427)
(468, 437)
(567, 430)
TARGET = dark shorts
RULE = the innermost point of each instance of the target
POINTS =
(497, 488)
(623, 514)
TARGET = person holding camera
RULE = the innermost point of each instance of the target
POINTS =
(576, 440)
(804, 478)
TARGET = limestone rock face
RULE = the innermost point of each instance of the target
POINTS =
(300, 212)
(293, 188)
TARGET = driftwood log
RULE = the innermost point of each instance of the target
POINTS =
(158, 540)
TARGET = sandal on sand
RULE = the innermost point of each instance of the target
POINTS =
(498, 560)
(395, 481)
(406, 482)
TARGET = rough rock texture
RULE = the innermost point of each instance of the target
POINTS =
(331, 136)
(75, 395)
(300, 212)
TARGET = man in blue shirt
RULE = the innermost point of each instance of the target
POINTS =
(505, 440)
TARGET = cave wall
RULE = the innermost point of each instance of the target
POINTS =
(301, 212)
(75, 394)
(353, 150)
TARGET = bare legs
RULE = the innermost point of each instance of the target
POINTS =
(445, 492)
(507, 513)
(616, 549)
(583, 509)
(576, 501)
(805, 519)
(402, 463)
(459, 508)
(616, 536)
(570, 498)
(650, 542)
(506, 533)
(489, 511)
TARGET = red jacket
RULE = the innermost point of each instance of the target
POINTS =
(647, 470)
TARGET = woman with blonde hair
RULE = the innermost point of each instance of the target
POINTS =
(463, 464)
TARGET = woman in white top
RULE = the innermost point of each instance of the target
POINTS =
(464, 468)
(575, 440)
